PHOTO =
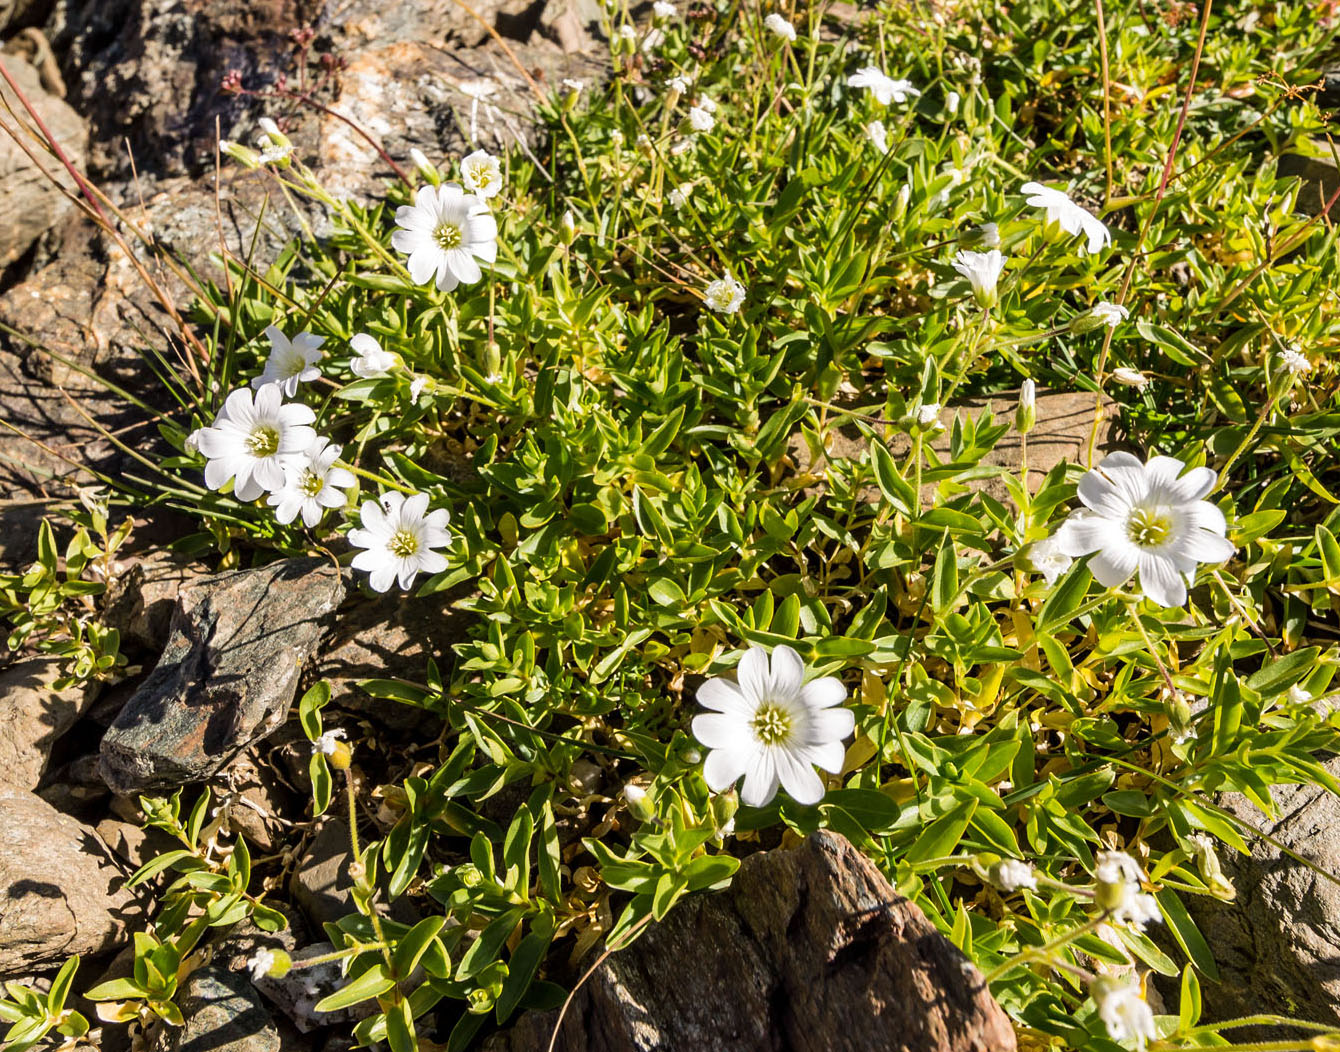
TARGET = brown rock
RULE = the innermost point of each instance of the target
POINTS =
(809, 950)
(1319, 176)
(141, 599)
(60, 892)
(30, 202)
(1064, 423)
(33, 714)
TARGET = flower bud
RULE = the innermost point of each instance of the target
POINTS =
(244, 155)
(426, 167)
(273, 133)
(640, 804)
(1026, 415)
(724, 806)
(900, 202)
(1130, 377)
(1101, 314)
(468, 874)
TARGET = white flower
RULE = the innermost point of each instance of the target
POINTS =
(1117, 890)
(443, 233)
(250, 440)
(275, 153)
(482, 174)
(982, 269)
(951, 102)
(312, 483)
(683, 146)
(724, 295)
(663, 9)
(706, 102)
(655, 38)
(325, 745)
(928, 415)
(1299, 696)
(260, 963)
(1010, 874)
(772, 727)
(192, 442)
(1147, 517)
(574, 86)
(1048, 559)
(1099, 315)
(779, 25)
(372, 362)
(679, 196)
(399, 534)
(291, 362)
(1130, 377)
(418, 385)
(700, 120)
(884, 88)
(879, 135)
(1293, 359)
(1124, 1012)
(1028, 394)
(988, 235)
(627, 32)
(1068, 216)
(679, 85)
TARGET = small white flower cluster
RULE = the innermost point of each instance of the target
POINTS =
(264, 445)
(1123, 1010)
(1117, 880)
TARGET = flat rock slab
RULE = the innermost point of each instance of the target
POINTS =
(227, 677)
(1064, 424)
(33, 714)
(1277, 944)
(810, 950)
(60, 892)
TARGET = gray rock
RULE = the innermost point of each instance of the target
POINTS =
(33, 714)
(19, 522)
(809, 950)
(30, 202)
(228, 674)
(60, 891)
(1319, 176)
(140, 600)
(1277, 944)
(223, 1013)
(321, 883)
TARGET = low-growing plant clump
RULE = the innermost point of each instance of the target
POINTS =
(679, 408)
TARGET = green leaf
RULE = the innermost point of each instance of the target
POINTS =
(372, 983)
(1281, 674)
(485, 949)
(414, 943)
(309, 709)
(1186, 933)
(944, 578)
(1065, 599)
(941, 837)
(522, 966)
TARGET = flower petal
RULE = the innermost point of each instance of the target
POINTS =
(798, 778)
(724, 696)
(830, 725)
(760, 779)
(719, 730)
(1160, 581)
(823, 693)
(753, 675)
(788, 672)
(1113, 565)
(724, 767)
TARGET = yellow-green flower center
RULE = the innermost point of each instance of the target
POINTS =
(311, 484)
(263, 441)
(772, 723)
(448, 235)
(1149, 527)
(403, 544)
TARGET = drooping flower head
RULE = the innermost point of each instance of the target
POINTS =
(328, 742)
(312, 483)
(1124, 1012)
(724, 295)
(1149, 518)
(399, 534)
(982, 269)
(779, 26)
(250, 441)
(1099, 315)
(878, 135)
(1295, 361)
(701, 119)
(482, 174)
(371, 362)
(291, 362)
(444, 233)
(1117, 886)
(772, 728)
(883, 87)
(1063, 214)
(1011, 874)
(1047, 558)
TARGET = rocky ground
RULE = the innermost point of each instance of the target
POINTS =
(829, 955)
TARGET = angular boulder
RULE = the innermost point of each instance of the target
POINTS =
(33, 714)
(60, 891)
(809, 950)
(1277, 944)
(228, 674)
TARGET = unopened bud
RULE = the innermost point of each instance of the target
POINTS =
(273, 133)
(244, 155)
(1130, 377)
(640, 804)
(426, 167)
(568, 227)
(1026, 415)
(900, 202)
